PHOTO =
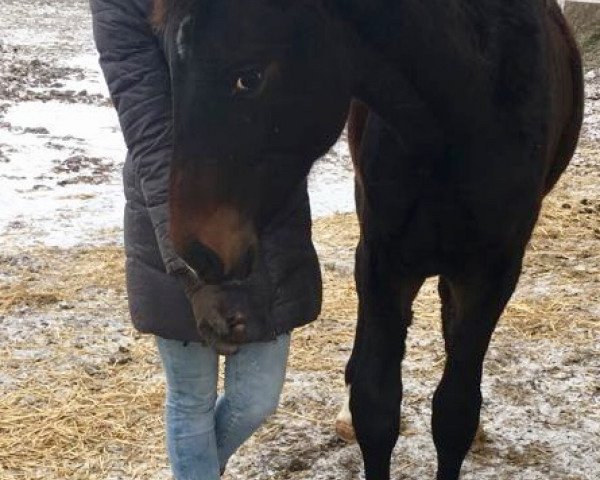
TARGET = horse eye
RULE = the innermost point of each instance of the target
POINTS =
(248, 82)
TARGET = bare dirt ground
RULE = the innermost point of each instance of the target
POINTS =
(81, 393)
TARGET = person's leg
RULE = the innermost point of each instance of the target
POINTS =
(254, 379)
(191, 373)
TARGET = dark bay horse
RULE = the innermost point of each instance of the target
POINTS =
(463, 115)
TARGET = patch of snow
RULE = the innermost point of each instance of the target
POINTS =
(331, 182)
(39, 205)
(60, 210)
(93, 82)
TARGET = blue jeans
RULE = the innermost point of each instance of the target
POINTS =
(203, 432)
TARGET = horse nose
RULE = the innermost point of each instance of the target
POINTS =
(205, 262)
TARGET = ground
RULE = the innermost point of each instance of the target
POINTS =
(585, 18)
(81, 393)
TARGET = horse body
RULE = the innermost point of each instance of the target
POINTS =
(449, 173)
(466, 114)
(452, 174)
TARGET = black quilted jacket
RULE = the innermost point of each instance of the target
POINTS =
(136, 72)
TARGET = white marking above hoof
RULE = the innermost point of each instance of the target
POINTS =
(343, 422)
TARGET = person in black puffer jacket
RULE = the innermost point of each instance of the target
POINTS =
(203, 431)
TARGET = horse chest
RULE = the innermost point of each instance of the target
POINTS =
(435, 211)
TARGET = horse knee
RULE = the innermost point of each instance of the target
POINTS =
(376, 414)
(455, 419)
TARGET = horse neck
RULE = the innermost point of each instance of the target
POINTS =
(423, 46)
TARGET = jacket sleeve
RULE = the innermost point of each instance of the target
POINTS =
(136, 72)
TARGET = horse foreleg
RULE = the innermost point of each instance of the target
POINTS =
(376, 395)
(470, 311)
(376, 383)
(343, 423)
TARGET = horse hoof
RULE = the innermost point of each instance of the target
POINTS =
(345, 431)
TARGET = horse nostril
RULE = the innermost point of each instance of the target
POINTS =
(205, 262)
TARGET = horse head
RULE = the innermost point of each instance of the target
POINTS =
(261, 90)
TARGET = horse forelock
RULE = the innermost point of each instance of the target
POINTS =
(166, 13)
